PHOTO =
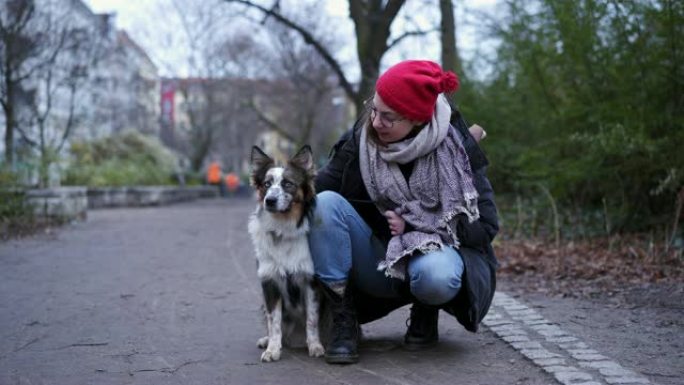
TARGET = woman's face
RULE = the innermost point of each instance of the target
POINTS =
(388, 124)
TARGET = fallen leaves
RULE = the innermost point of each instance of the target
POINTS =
(584, 268)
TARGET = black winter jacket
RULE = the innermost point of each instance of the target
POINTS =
(342, 174)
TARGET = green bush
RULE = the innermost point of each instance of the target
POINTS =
(195, 178)
(14, 212)
(13, 204)
(584, 101)
(7, 177)
(125, 159)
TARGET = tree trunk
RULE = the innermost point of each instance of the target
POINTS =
(199, 154)
(10, 120)
(450, 57)
(43, 169)
(372, 22)
(9, 136)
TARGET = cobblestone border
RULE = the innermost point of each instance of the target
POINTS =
(569, 360)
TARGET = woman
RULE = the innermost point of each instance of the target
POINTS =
(405, 214)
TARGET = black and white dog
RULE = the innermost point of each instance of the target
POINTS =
(279, 228)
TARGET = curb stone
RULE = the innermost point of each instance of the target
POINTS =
(569, 360)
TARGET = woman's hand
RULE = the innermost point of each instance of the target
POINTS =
(397, 224)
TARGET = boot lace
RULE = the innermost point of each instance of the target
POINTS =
(419, 322)
(345, 325)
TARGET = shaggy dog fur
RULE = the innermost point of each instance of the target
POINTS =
(279, 229)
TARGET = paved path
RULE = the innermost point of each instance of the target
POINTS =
(168, 296)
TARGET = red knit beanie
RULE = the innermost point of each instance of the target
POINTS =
(411, 88)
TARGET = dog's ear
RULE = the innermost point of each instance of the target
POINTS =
(259, 156)
(260, 163)
(304, 159)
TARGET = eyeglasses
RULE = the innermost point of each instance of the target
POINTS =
(386, 121)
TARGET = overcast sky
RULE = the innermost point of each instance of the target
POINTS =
(147, 24)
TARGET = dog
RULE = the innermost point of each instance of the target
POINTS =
(279, 228)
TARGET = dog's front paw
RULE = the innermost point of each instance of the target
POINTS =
(316, 350)
(262, 342)
(270, 355)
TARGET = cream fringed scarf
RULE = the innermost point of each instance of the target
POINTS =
(440, 186)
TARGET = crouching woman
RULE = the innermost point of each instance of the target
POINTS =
(405, 214)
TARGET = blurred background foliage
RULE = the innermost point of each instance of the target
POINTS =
(586, 114)
(15, 213)
(129, 158)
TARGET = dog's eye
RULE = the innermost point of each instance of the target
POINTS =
(267, 184)
(287, 184)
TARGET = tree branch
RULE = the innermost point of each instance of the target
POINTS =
(408, 34)
(392, 9)
(251, 103)
(70, 119)
(309, 39)
(28, 140)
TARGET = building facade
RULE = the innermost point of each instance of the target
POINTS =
(87, 80)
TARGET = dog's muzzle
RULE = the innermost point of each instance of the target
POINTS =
(271, 204)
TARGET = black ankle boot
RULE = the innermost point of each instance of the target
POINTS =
(422, 330)
(344, 336)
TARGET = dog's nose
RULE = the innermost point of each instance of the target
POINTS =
(271, 202)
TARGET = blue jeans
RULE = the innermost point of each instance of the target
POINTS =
(344, 249)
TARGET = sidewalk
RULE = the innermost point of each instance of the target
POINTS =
(169, 296)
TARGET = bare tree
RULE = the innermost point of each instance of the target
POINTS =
(21, 54)
(304, 105)
(243, 84)
(238, 62)
(372, 21)
(67, 53)
(210, 47)
(301, 67)
(201, 105)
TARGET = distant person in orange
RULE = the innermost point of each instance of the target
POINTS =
(232, 182)
(214, 176)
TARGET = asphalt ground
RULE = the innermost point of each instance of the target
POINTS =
(169, 295)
